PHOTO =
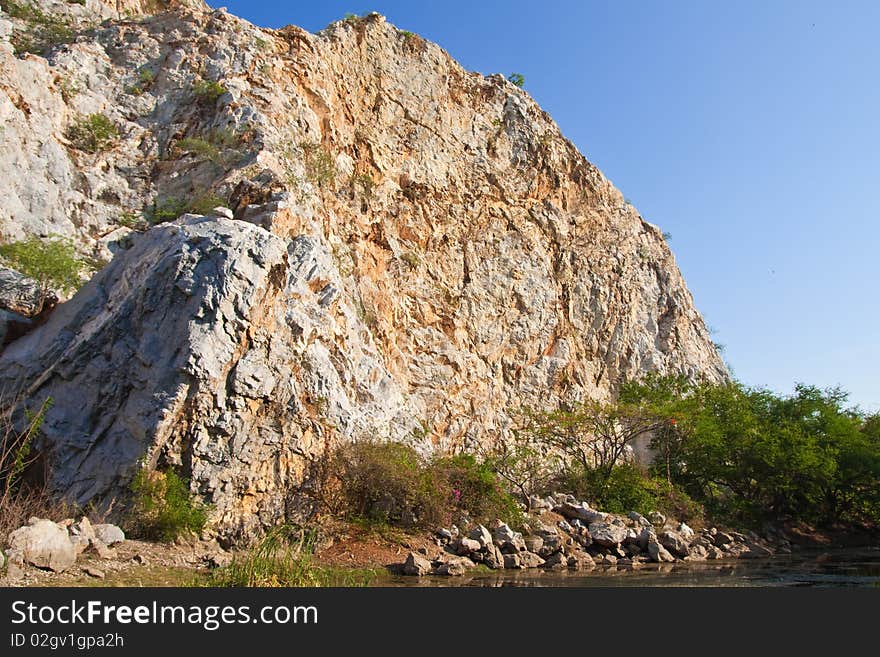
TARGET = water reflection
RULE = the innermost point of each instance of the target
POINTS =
(850, 568)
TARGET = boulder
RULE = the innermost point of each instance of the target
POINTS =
(556, 561)
(416, 565)
(98, 546)
(512, 561)
(454, 567)
(530, 560)
(658, 553)
(686, 532)
(444, 534)
(607, 534)
(581, 511)
(466, 546)
(657, 519)
(534, 543)
(494, 559)
(502, 533)
(713, 552)
(2, 559)
(44, 544)
(674, 542)
(482, 535)
(540, 504)
(93, 572)
(722, 538)
(639, 519)
(579, 560)
(109, 534)
(644, 536)
(23, 296)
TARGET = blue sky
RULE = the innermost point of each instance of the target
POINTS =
(749, 130)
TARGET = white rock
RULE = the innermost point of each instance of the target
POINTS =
(44, 544)
(109, 534)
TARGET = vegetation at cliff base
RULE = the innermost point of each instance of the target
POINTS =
(391, 483)
(750, 455)
(162, 506)
(283, 558)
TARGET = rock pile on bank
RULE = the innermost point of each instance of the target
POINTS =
(583, 538)
(55, 546)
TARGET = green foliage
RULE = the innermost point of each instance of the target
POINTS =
(52, 262)
(391, 484)
(200, 147)
(476, 489)
(208, 91)
(92, 133)
(170, 208)
(217, 146)
(591, 435)
(386, 483)
(319, 165)
(751, 455)
(517, 79)
(162, 506)
(628, 488)
(42, 30)
(145, 79)
(283, 559)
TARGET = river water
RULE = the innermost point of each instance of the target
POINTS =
(836, 568)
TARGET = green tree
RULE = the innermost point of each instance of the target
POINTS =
(52, 262)
(517, 79)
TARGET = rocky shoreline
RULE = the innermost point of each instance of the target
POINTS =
(583, 538)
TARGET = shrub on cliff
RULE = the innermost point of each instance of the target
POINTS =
(52, 262)
(162, 507)
(92, 133)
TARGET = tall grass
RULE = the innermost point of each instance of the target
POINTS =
(284, 559)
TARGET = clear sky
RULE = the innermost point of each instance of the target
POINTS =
(749, 130)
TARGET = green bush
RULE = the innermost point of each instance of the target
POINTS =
(163, 508)
(629, 488)
(42, 30)
(387, 483)
(517, 79)
(474, 487)
(92, 133)
(170, 208)
(208, 91)
(52, 262)
(390, 483)
(217, 146)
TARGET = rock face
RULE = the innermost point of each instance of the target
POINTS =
(415, 251)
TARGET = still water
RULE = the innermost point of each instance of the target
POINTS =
(835, 568)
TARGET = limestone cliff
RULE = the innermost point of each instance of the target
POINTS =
(415, 251)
